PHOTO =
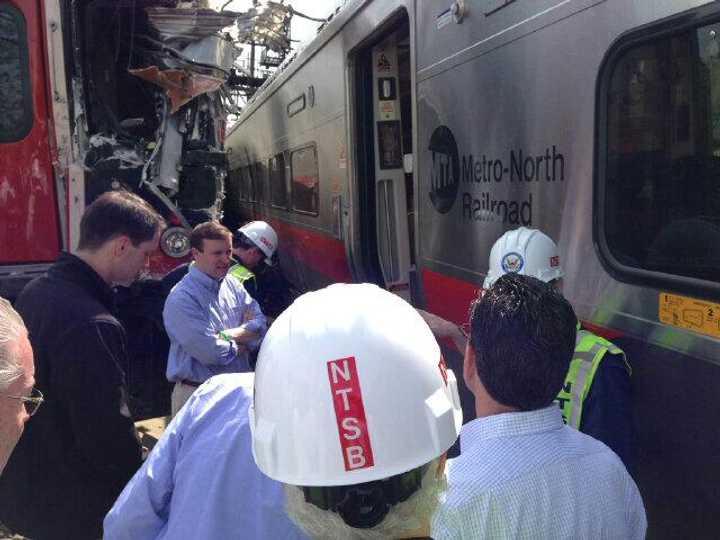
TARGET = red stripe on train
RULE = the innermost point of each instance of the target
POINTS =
(448, 297)
(601, 331)
(318, 251)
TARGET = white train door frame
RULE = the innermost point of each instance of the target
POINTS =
(380, 219)
(392, 205)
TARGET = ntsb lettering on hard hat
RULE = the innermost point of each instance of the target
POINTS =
(350, 414)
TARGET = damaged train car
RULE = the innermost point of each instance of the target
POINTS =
(98, 95)
(153, 88)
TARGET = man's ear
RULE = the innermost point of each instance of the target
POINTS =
(469, 366)
(120, 245)
(441, 465)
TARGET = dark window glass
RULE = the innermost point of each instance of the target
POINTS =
(244, 183)
(15, 98)
(251, 175)
(248, 181)
(232, 187)
(239, 184)
(661, 181)
(305, 180)
(259, 181)
(278, 187)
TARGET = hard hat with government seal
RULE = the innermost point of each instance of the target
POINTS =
(524, 251)
(350, 388)
(263, 236)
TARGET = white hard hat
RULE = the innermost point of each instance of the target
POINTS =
(524, 251)
(350, 387)
(263, 236)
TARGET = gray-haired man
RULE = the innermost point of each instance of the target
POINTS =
(18, 399)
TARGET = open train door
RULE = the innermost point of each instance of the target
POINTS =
(383, 130)
(30, 233)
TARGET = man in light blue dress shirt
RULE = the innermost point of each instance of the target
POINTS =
(200, 481)
(522, 473)
(212, 322)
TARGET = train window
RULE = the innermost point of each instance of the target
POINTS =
(305, 180)
(232, 187)
(658, 195)
(239, 182)
(251, 172)
(16, 113)
(278, 187)
(259, 180)
(245, 183)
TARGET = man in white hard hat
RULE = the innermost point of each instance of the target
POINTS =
(522, 473)
(354, 411)
(255, 245)
(351, 392)
(596, 395)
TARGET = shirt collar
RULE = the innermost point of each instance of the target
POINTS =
(203, 279)
(510, 424)
(72, 268)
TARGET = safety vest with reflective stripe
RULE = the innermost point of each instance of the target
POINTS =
(240, 272)
(589, 352)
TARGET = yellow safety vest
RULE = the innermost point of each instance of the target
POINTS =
(589, 352)
(240, 272)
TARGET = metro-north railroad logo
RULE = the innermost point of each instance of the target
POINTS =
(445, 174)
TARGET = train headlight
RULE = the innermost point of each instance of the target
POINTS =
(175, 242)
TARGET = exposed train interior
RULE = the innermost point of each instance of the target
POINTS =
(148, 81)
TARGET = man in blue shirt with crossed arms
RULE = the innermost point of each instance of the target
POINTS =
(212, 322)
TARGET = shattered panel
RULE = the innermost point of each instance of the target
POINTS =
(214, 51)
(156, 79)
(181, 86)
(189, 24)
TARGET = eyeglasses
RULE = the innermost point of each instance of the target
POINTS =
(32, 402)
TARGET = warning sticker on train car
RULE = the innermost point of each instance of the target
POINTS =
(387, 110)
(690, 313)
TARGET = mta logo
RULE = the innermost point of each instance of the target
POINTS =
(445, 173)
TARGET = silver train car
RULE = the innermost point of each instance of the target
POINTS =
(409, 135)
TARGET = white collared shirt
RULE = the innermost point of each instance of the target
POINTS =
(525, 475)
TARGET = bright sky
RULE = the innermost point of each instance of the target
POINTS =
(301, 29)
